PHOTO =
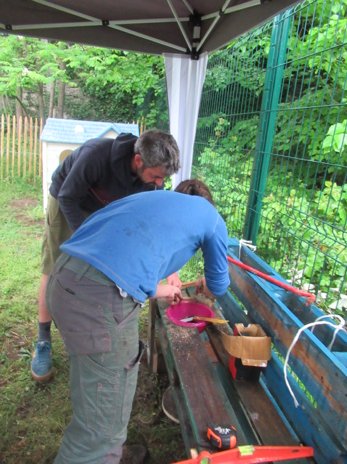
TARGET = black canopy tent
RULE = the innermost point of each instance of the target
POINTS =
(184, 31)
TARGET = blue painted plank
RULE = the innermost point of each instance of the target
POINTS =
(321, 372)
(231, 310)
(295, 303)
(305, 419)
(342, 357)
(308, 314)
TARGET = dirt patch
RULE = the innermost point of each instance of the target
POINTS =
(22, 205)
(16, 344)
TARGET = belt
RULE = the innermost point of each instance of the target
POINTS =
(82, 269)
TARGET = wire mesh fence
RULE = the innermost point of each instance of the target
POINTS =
(272, 144)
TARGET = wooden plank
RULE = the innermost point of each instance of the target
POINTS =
(19, 144)
(13, 143)
(186, 429)
(308, 314)
(25, 146)
(323, 375)
(2, 145)
(40, 150)
(35, 150)
(305, 420)
(295, 303)
(211, 353)
(231, 310)
(191, 369)
(30, 145)
(342, 357)
(262, 413)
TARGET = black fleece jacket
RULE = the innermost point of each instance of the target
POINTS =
(93, 175)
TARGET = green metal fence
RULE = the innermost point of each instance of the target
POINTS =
(272, 144)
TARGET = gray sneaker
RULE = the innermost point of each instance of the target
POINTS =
(134, 454)
(41, 364)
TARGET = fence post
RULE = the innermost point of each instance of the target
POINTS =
(8, 135)
(25, 146)
(13, 144)
(40, 149)
(2, 144)
(20, 123)
(35, 151)
(30, 145)
(268, 113)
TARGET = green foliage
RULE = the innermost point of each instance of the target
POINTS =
(111, 83)
(115, 82)
(304, 231)
(334, 148)
(303, 217)
(193, 269)
(102, 105)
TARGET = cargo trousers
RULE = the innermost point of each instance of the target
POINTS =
(99, 329)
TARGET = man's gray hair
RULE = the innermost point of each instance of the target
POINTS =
(158, 148)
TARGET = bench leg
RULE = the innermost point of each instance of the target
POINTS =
(151, 354)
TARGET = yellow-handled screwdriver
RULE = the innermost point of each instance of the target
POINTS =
(204, 319)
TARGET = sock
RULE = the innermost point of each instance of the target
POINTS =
(45, 332)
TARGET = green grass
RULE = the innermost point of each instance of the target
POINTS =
(33, 416)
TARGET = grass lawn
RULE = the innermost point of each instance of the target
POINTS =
(33, 416)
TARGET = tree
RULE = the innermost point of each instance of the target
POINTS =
(112, 77)
(112, 84)
(27, 66)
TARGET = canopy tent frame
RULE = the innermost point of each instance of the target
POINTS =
(194, 47)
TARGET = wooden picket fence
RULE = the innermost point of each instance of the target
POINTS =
(20, 148)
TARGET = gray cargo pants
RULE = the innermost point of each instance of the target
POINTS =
(100, 331)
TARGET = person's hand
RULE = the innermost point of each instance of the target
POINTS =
(173, 279)
(200, 284)
(201, 287)
(171, 293)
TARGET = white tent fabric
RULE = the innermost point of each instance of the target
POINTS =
(184, 81)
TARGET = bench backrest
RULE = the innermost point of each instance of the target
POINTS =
(318, 375)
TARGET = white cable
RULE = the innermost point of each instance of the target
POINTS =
(248, 244)
(336, 330)
(307, 326)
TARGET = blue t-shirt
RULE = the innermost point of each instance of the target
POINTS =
(144, 238)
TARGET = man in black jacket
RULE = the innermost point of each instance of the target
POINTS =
(92, 176)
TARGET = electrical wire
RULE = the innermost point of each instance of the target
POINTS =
(318, 321)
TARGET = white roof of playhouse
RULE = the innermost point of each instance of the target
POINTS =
(74, 131)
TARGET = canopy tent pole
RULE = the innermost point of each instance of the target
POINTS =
(184, 82)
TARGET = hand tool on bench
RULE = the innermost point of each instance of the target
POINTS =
(204, 319)
(252, 455)
(310, 297)
(192, 283)
(222, 436)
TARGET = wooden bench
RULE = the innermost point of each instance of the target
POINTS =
(263, 411)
